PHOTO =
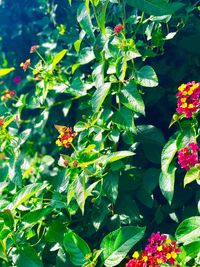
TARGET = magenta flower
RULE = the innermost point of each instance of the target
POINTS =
(188, 156)
(17, 79)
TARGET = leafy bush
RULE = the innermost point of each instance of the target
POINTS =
(89, 165)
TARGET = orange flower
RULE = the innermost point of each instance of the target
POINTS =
(8, 94)
(25, 64)
(34, 48)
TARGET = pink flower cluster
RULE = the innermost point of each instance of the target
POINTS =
(188, 156)
(188, 99)
(159, 251)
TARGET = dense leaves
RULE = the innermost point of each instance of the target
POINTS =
(88, 164)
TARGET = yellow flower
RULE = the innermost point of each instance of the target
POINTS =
(159, 261)
(173, 255)
(145, 258)
(159, 248)
(136, 255)
(168, 241)
(182, 87)
(183, 99)
(184, 105)
(58, 143)
(168, 256)
(190, 106)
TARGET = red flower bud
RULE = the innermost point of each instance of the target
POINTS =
(118, 28)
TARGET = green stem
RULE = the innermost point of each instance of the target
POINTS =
(41, 57)
(74, 148)
(139, 24)
(124, 16)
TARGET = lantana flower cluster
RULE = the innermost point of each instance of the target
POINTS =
(188, 156)
(66, 136)
(160, 251)
(8, 94)
(188, 99)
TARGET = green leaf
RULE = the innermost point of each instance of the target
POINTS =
(167, 155)
(57, 58)
(152, 141)
(99, 96)
(192, 175)
(27, 192)
(166, 182)
(80, 192)
(191, 250)
(117, 244)
(189, 230)
(100, 9)
(116, 156)
(3, 254)
(62, 259)
(110, 185)
(24, 136)
(36, 215)
(28, 257)
(151, 179)
(4, 72)
(156, 7)
(8, 218)
(86, 55)
(131, 98)
(99, 213)
(147, 77)
(76, 247)
(124, 120)
(121, 67)
(55, 232)
(84, 20)
(8, 122)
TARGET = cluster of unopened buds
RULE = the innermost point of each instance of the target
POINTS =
(188, 156)
(66, 136)
(160, 251)
(188, 99)
(1, 122)
(8, 94)
(118, 28)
